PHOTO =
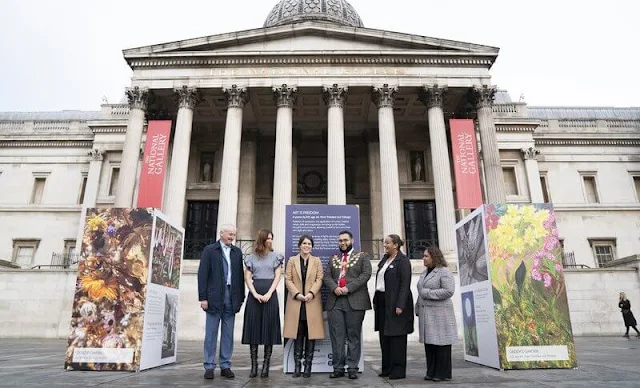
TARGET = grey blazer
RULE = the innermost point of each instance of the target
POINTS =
(357, 277)
(434, 308)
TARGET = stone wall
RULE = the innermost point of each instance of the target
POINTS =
(37, 304)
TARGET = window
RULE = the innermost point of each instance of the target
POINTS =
(590, 189)
(636, 184)
(510, 181)
(83, 188)
(604, 250)
(24, 251)
(38, 190)
(70, 247)
(113, 184)
(545, 189)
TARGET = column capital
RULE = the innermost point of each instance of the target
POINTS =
(96, 154)
(483, 96)
(236, 97)
(187, 97)
(137, 97)
(384, 96)
(335, 96)
(433, 96)
(530, 153)
(285, 96)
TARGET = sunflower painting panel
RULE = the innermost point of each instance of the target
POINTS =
(108, 309)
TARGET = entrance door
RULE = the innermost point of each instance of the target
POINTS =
(202, 219)
(420, 226)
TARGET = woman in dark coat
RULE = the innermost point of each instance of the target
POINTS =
(393, 304)
(627, 315)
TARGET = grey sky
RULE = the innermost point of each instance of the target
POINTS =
(67, 54)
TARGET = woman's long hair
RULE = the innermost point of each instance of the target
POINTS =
(261, 247)
(437, 257)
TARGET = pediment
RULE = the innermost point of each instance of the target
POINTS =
(311, 38)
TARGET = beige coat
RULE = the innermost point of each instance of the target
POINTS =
(293, 281)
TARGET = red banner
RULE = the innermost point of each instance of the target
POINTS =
(154, 164)
(465, 163)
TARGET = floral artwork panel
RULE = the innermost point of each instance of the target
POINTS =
(108, 308)
(530, 298)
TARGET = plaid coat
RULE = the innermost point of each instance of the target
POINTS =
(434, 308)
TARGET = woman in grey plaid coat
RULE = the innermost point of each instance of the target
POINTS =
(437, 322)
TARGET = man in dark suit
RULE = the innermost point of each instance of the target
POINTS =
(221, 294)
(346, 278)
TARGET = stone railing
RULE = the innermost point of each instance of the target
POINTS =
(120, 110)
(51, 125)
(11, 126)
(46, 126)
(623, 123)
(577, 123)
(513, 109)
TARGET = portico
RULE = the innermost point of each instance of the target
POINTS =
(313, 112)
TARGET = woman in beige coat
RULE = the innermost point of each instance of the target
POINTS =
(303, 314)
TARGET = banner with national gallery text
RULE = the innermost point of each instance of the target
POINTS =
(465, 163)
(154, 164)
(125, 304)
(323, 223)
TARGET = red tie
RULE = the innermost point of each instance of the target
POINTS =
(343, 270)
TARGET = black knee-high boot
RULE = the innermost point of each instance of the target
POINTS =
(253, 349)
(297, 356)
(267, 360)
(310, 347)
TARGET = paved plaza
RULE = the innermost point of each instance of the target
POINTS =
(603, 362)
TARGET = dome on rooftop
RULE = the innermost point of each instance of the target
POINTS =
(296, 11)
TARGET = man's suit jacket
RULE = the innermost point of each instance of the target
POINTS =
(211, 280)
(357, 276)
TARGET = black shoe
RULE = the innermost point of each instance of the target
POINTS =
(298, 346)
(436, 379)
(394, 377)
(208, 374)
(353, 375)
(427, 377)
(310, 347)
(227, 373)
(383, 374)
(253, 350)
(626, 335)
(336, 374)
(267, 360)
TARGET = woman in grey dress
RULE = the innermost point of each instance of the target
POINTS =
(263, 270)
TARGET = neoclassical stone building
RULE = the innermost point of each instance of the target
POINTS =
(315, 108)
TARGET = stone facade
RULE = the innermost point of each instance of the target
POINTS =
(315, 110)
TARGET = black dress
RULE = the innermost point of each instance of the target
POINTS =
(262, 320)
(627, 315)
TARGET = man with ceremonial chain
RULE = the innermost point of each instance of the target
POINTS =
(346, 279)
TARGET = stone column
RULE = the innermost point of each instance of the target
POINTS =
(297, 139)
(433, 98)
(374, 186)
(90, 190)
(335, 97)
(490, 153)
(177, 191)
(247, 191)
(533, 174)
(230, 174)
(131, 151)
(384, 97)
(285, 98)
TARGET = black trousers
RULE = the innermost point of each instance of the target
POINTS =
(393, 348)
(438, 361)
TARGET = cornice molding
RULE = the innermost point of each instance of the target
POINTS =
(514, 128)
(308, 60)
(46, 144)
(587, 142)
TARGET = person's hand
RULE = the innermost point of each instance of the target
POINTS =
(266, 297)
(345, 290)
(204, 305)
(257, 296)
(308, 297)
(301, 298)
(398, 311)
(338, 291)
